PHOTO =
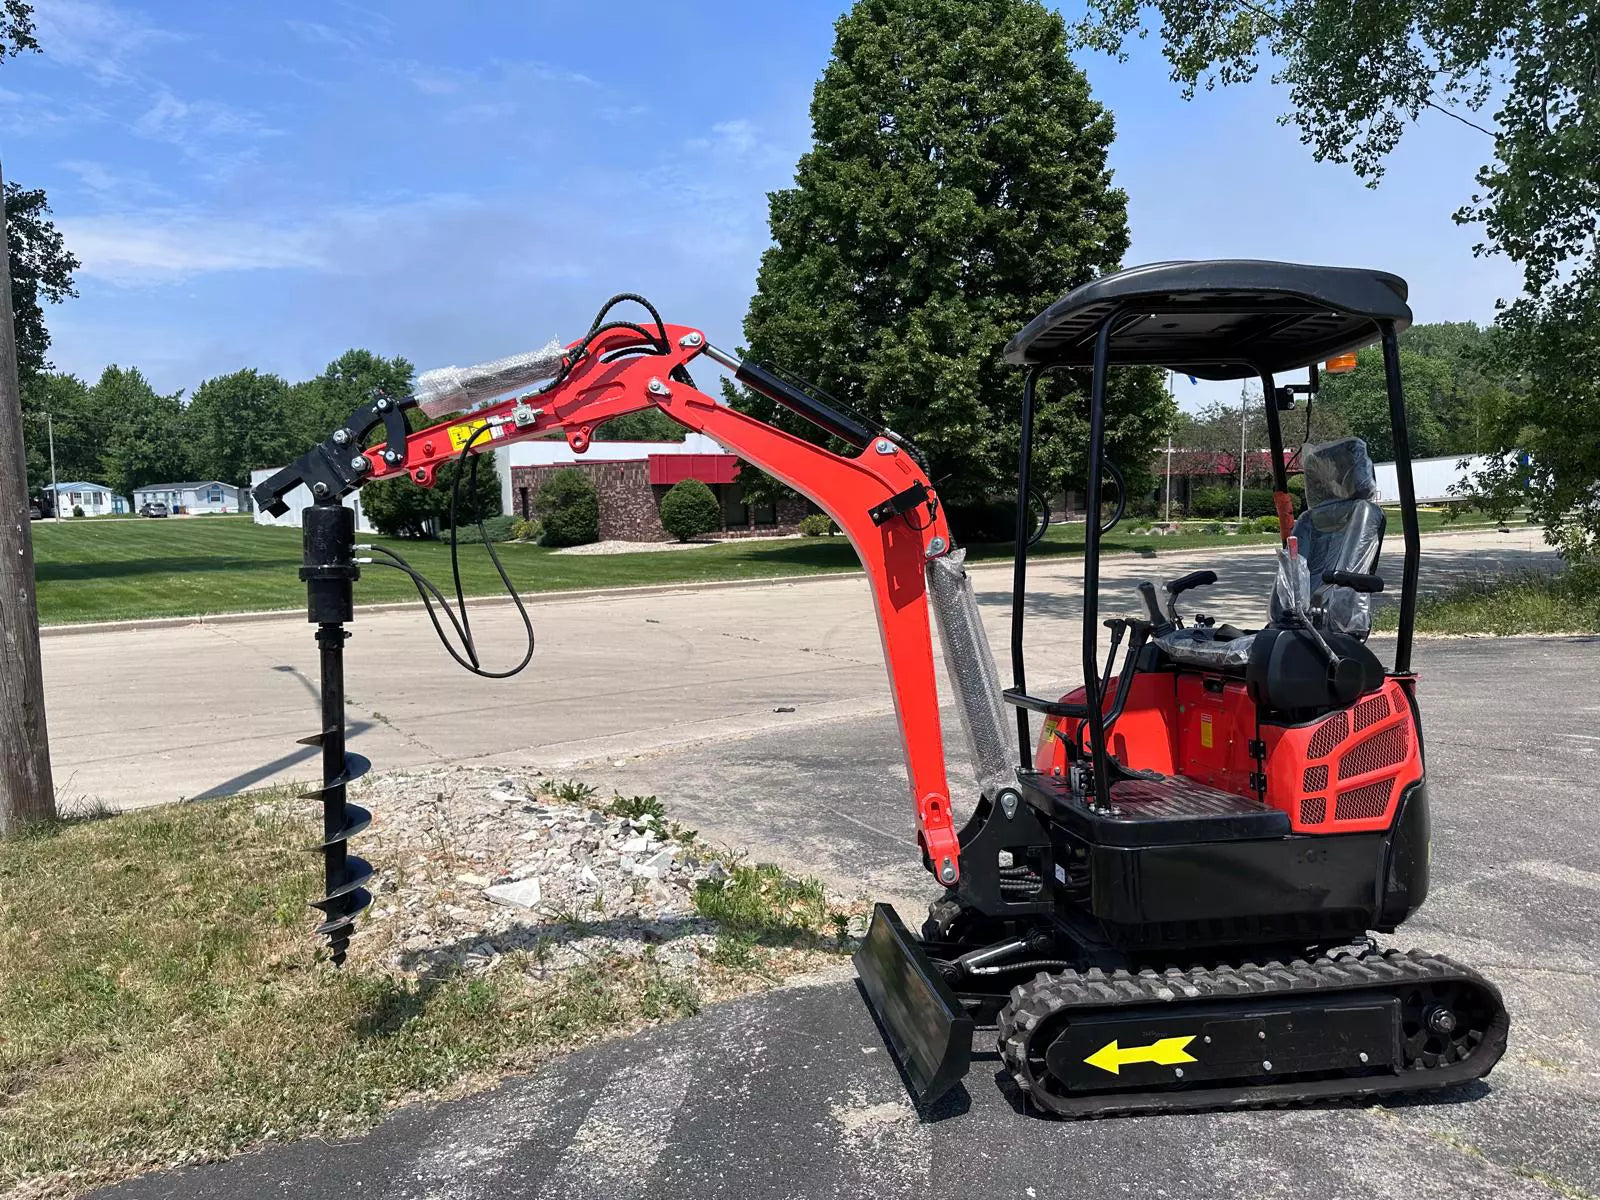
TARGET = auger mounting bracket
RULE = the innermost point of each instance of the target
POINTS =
(338, 465)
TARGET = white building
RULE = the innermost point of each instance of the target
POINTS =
(194, 496)
(298, 499)
(1432, 478)
(95, 499)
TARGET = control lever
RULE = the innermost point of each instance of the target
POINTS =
(1160, 623)
(1118, 626)
(1354, 580)
(1176, 588)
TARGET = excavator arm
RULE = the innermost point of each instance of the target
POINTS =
(880, 497)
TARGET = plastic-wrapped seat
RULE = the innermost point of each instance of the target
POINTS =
(1341, 530)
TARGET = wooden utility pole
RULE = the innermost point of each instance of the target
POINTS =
(27, 791)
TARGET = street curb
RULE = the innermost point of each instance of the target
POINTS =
(651, 589)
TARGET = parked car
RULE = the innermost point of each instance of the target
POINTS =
(34, 514)
(153, 509)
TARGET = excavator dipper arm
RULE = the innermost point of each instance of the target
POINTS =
(880, 498)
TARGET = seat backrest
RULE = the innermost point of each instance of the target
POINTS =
(1341, 530)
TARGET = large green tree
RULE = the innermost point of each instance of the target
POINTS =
(956, 185)
(1524, 72)
(41, 272)
(316, 407)
(142, 431)
(41, 265)
(60, 406)
(238, 422)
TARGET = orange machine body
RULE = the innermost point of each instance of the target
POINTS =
(1341, 773)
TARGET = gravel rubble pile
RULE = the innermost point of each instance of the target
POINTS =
(471, 864)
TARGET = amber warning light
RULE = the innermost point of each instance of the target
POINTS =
(1341, 364)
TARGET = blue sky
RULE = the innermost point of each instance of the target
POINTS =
(268, 185)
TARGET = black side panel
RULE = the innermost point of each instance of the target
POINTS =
(1405, 875)
(1222, 893)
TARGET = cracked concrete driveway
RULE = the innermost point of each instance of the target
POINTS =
(791, 1094)
(153, 715)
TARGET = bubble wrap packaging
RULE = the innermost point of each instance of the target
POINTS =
(972, 673)
(455, 389)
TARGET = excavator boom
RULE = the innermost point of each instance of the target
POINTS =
(880, 497)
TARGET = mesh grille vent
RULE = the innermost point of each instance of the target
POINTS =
(1328, 735)
(1314, 810)
(1363, 803)
(1316, 778)
(1371, 710)
(1386, 749)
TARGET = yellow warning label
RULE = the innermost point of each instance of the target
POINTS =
(1168, 1052)
(1205, 730)
(460, 433)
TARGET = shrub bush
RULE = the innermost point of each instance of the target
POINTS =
(569, 509)
(525, 529)
(690, 509)
(499, 529)
(817, 525)
(1211, 501)
(1258, 502)
(77, 510)
(1224, 502)
(1266, 524)
(1213, 527)
(988, 521)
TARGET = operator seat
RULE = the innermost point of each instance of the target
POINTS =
(1341, 530)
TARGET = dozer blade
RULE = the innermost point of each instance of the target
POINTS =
(922, 1020)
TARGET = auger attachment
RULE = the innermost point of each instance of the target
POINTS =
(329, 571)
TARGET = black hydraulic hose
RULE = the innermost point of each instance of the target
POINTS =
(429, 591)
(1032, 964)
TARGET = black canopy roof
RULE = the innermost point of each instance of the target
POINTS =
(1217, 319)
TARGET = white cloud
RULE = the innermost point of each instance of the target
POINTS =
(100, 38)
(152, 248)
(472, 114)
(186, 122)
(738, 138)
(318, 34)
(621, 114)
(37, 114)
(107, 181)
(434, 81)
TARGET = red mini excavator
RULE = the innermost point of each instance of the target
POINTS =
(1164, 900)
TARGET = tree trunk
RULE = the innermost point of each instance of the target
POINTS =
(27, 792)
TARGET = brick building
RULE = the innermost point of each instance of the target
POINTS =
(631, 478)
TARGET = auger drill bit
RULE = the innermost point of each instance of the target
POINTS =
(329, 571)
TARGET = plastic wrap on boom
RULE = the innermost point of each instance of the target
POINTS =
(972, 673)
(454, 389)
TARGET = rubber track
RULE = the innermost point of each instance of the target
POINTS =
(1381, 972)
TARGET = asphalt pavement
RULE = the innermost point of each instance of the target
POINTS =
(792, 1094)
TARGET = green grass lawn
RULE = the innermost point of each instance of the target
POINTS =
(163, 1000)
(1529, 602)
(97, 571)
(107, 570)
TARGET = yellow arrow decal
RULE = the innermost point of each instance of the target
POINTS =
(1167, 1052)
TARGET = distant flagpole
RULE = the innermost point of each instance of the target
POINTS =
(1244, 395)
(1172, 394)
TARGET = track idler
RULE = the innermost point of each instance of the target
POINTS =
(329, 571)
